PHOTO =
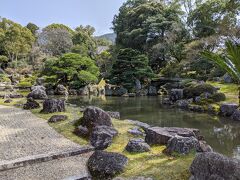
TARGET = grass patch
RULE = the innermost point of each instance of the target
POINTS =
(15, 102)
(230, 90)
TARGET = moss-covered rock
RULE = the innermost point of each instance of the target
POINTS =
(198, 89)
(218, 97)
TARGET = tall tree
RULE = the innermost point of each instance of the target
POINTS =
(33, 28)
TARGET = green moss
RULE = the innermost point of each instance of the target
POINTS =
(230, 90)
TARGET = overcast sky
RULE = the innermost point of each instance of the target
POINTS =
(98, 13)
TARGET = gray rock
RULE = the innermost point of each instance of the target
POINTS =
(166, 101)
(227, 78)
(197, 99)
(15, 95)
(31, 104)
(214, 166)
(137, 146)
(183, 104)
(204, 147)
(108, 90)
(53, 105)
(83, 91)
(73, 92)
(161, 135)
(182, 145)
(115, 115)
(139, 124)
(102, 136)
(61, 90)
(57, 118)
(94, 116)
(132, 94)
(119, 91)
(38, 92)
(7, 101)
(152, 91)
(81, 131)
(106, 165)
(176, 94)
(228, 109)
(136, 131)
(138, 85)
(236, 115)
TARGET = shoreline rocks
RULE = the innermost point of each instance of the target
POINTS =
(53, 105)
(31, 104)
(137, 146)
(57, 118)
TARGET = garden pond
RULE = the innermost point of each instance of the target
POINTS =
(222, 134)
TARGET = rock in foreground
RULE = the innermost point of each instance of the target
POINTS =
(106, 165)
(214, 166)
(137, 146)
(53, 105)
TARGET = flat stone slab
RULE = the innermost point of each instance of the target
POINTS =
(161, 135)
(70, 168)
(22, 134)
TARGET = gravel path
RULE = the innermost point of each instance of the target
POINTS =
(23, 134)
(70, 168)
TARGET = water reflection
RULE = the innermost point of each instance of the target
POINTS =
(222, 134)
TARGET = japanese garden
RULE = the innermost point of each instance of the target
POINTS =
(156, 97)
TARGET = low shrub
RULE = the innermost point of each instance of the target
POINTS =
(196, 90)
(217, 97)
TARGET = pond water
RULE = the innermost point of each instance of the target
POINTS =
(222, 134)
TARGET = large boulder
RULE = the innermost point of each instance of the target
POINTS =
(228, 109)
(182, 145)
(57, 118)
(137, 146)
(61, 90)
(176, 94)
(152, 91)
(214, 166)
(94, 116)
(38, 92)
(161, 135)
(31, 104)
(53, 105)
(102, 136)
(106, 165)
(115, 115)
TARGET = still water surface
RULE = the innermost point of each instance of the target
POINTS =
(222, 134)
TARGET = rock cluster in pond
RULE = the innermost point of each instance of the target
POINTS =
(57, 118)
(31, 104)
(214, 166)
(137, 146)
(106, 165)
(180, 140)
(97, 125)
(53, 105)
(38, 92)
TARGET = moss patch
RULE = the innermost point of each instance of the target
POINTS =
(230, 90)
